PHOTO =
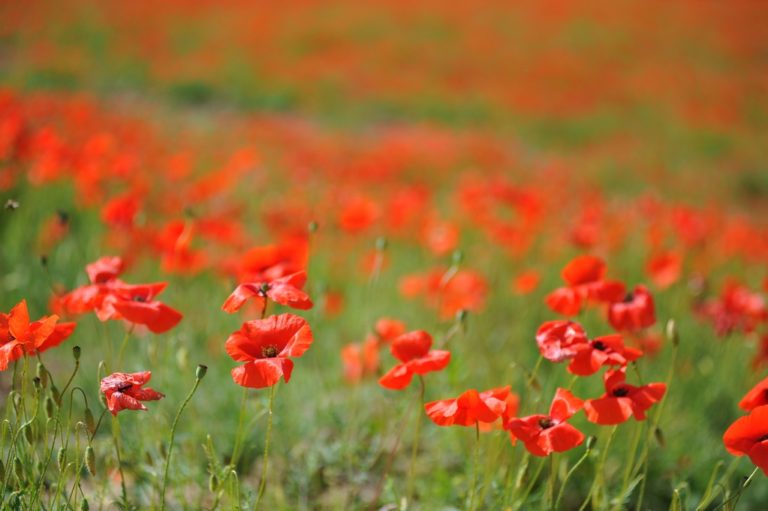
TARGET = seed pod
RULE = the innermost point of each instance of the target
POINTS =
(200, 371)
(84, 505)
(90, 423)
(671, 331)
(49, 407)
(90, 460)
(213, 483)
(76, 352)
(56, 394)
(591, 441)
(61, 459)
(37, 383)
(42, 374)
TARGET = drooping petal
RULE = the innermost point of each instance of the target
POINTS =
(396, 378)
(263, 372)
(435, 360)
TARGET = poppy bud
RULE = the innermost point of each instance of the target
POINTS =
(61, 458)
(458, 257)
(76, 352)
(49, 407)
(90, 424)
(11, 205)
(90, 460)
(671, 331)
(200, 371)
(18, 470)
(42, 375)
(659, 434)
(84, 505)
(591, 441)
(312, 227)
(461, 316)
(37, 383)
(381, 243)
(56, 394)
(44, 260)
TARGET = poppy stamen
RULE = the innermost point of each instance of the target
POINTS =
(629, 298)
(620, 392)
(139, 298)
(269, 351)
(762, 438)
(598, 345)
(546, 423)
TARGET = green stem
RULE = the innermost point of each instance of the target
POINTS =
(170, 441)
(475, 467)
(568, 476)
(263, 483)
(240, 427)
(599, 479)
(123, 345)
(115, 439)
(415, 446)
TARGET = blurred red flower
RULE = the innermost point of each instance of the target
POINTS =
(749, 436)
(635, 312)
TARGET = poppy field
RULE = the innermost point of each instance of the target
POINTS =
(384, 255)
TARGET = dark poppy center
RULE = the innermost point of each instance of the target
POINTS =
(620, 392)
(264, 289)
(629, 298)
(546, 423)
(762, 439)
(598, 345)
(139, 298)
(124, 387)
(269, 351)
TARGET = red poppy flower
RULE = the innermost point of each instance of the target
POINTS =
(749, 436)
(266, 345)
(584, 276)
(664, 269)
(449, 291)
(412, 349)
(633, 313)
(469, 408)
(360, 359)
(621, 401)
(387, 329)
(736, 309)
(105, 269)
(544, 434)
(526, 282)
(284, 290)
(605, 350)
(124, 391)
(758, 396)
(559, 340)
(19, 336)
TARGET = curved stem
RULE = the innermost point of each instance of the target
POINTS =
(115, 430)
(263, 483)
(170, 441)
(568, 476)
(239, 435)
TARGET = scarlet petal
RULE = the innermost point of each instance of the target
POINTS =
(434, 361)
(560, 438)
(411, 345)
(157, 316)
(583, 269)
(238, 297)
(565, 301)
(396, 378)
(608, 410)
(119, 401)
(564, 405)
(9, 352)
(60, 333)
(18, 320)
(263, 373)
(757, 396)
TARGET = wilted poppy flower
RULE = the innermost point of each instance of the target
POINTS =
(284, 290)
(19, 336)
(558, 340)
(634, 312)
(412, 350)
(749, 436)
(123, 391)
(544, 434)
(621, 401)
(469, 408)
(266, 345)
(605, 350)
(758, 396)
